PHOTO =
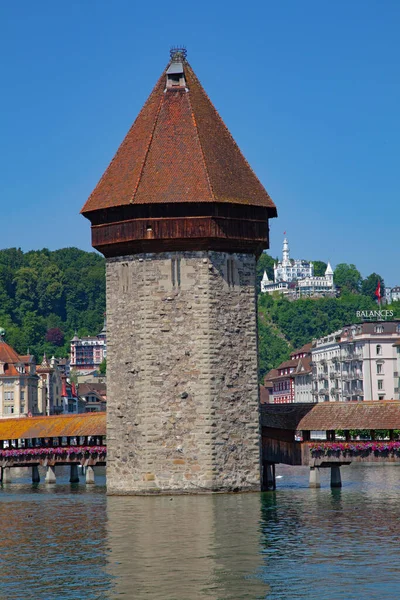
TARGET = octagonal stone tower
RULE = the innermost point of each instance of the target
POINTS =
(181, 219)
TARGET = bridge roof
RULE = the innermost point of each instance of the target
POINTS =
(55, 426)
(326, 416)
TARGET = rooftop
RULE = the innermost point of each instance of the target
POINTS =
(327, 416)
(178, 151)
(55, 426)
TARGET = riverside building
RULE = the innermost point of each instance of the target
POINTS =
(18, 383)
(358, 362)
(291, 381)
(181, 219)
(87, 353)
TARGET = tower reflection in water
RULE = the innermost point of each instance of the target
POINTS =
(185, 547)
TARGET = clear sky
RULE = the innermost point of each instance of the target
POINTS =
(310, 90)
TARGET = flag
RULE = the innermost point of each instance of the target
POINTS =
(378, 291)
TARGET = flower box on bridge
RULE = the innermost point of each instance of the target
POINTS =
(59, 455)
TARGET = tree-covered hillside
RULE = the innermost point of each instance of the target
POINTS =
(285, 325)
(45, 296)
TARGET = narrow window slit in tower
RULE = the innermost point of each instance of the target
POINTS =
(230, 272)
(176, 272)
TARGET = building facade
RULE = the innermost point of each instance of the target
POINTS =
(291, 381)
(49, 386)
(357, 362)
(296, 278)
(181, 219)
(396, 347)
(392, 294)
(289, 269)
(18, 383)
(87, 353)
(69, 398)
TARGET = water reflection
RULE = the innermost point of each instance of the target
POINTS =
(74, 543)
(51, 543)
(186, 547)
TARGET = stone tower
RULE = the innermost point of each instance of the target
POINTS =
(181, 218)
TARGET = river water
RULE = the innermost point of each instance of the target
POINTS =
(73, 542)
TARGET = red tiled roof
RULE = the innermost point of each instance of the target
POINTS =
(178, 150)
(304, 366)
(303, 350)
(264, 395)
(269, 376)
(98, 388)
(8, 354)
(333, 415)
(54, 426)
(288, 363)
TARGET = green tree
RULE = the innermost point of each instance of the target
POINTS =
(41, 289)
(25, 280)
(103, 367)
(319, 268)
(264, 263)
(347, 278)
(272, 349)
(369, 285)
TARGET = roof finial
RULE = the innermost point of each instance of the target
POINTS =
(178, 54)
(2, 334)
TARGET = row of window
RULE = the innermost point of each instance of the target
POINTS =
(281, 386)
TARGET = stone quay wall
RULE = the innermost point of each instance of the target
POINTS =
(182, 388)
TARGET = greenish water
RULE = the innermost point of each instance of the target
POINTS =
(74, 542)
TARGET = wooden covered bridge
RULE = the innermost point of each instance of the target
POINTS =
(292, 434)
(49, 441)
(306, 434)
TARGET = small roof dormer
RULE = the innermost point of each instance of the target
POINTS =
(175, 72)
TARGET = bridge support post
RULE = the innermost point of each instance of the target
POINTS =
(269, 480)
(35, 474)
(89, 475)
(336, 480)
(315, 481)
(6, 474)
(50, 475)
(74, 478)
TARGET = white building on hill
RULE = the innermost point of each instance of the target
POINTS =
(296, 278)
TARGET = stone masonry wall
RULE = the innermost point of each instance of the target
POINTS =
(182, 397)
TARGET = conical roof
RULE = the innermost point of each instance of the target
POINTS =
(329, 270)
(8, 354)
(178, 151)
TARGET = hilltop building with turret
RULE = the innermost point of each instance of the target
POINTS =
(296, 278)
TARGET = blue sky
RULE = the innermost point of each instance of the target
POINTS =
(309, 89)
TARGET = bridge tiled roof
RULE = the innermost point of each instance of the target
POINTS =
(332, 415)
(55, 426)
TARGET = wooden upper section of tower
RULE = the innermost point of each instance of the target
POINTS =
(178, 180)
